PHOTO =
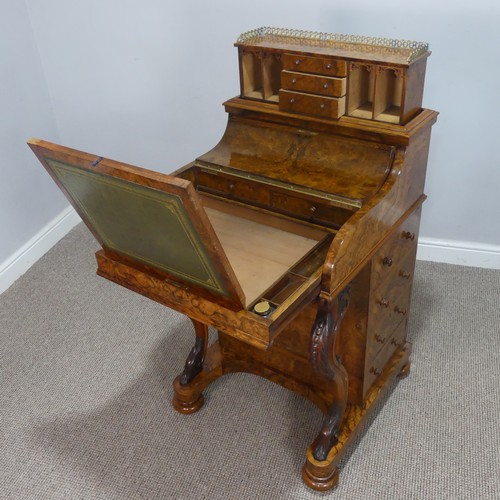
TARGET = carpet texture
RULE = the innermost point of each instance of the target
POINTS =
(85, 388)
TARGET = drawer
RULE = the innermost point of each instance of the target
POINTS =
(296, 102)
(215, 183)
(324, 85)
(374, 367)
(318, 65)
(389, 258)
(311, 211)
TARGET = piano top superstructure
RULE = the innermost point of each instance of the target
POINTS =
(295, 236)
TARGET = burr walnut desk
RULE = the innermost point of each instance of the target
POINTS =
(295, 237)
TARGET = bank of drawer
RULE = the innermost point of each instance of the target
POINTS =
(324, 85)
(234, 188)
(374, 367)
(318, 65)
(389, 304)
(309, 210)
(297, 102)
(391, 255)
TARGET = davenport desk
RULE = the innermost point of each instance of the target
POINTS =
(295, 237)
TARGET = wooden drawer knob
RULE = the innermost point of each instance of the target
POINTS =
(325, 85)
(292, 100)
(313, 209)
(384, 302)
(387, 261)
(400, 311)
(405, 274)
(231, 187)
(379, 339)
(294, 80)
(297, 62)
(408, 236)
(328, 66)
(322, 106)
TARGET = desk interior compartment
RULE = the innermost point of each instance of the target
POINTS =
(260, 75)
(388, 95)
(264, 249)
(361, 91)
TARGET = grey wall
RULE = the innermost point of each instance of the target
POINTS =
(143, 82)
(28, 198)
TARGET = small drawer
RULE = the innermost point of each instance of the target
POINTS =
(324, 85)
(375, 367)
(212, 182)
(318, 65)
(308, 210)
(296, 102)
(392, 253)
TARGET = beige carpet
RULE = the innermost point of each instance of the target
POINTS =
(86, 370)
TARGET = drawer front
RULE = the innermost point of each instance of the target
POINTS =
(324, 85)
(375, 367)
(296, 102)
(396, 249)
(318, 65)
(309, 210)
(233, 188)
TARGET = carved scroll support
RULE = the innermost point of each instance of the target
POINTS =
(194, 362)
(186, 398)
(328, 365)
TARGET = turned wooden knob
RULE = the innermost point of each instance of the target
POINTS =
(292, 100)
(313, 209)
(325, 85)
(384, 302)
(379, 339)
(328, 66)
(408, 236)
(322, 106)
(387, 261)
(297, 62)
(405, 274)
(231, 187)
(294, 80)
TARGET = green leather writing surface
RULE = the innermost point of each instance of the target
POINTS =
(148, 225)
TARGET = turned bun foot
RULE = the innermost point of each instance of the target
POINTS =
(405, 371)
(187, 407)
(320, 478)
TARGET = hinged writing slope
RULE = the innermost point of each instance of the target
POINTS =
(146, 219)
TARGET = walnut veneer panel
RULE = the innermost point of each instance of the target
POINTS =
(347, 167)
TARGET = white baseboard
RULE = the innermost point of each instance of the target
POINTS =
(18, 263)
(463, 253)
